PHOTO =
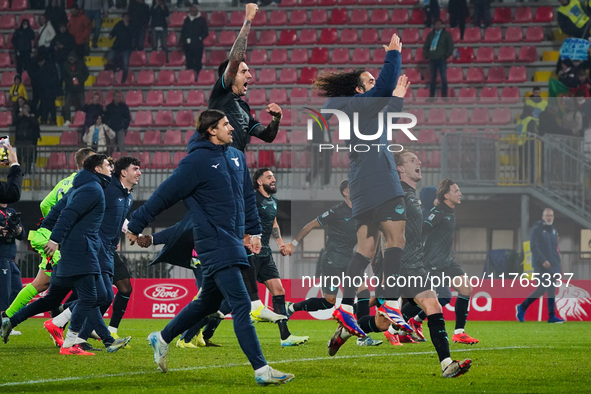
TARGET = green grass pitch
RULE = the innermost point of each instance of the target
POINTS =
(528, 357)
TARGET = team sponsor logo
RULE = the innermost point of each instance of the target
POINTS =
(570, 302)
(165, 292)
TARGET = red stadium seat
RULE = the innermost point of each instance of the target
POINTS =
(361, 56)
(134, 98)
(5, 60)
(434, 160)
(267, 37)
(163, 118)
(285, 160)
(3, 100)
(327, 3)
(458, 116)
(56, 160)
(493, 35)
(160, 160)
(155, 98)
(413, 74)
(319, 55)
(177, 19)
(369, 37)
(152, 137)
(104, 78)
(489, 95)
(133, 137)
(174, 98)
(137, 59)
(165, 78)
(464, 55)
(513, 34)
(176, 59)
(145, 78)
(266, 158)
(523, 15)
(527, 54)
(475, 75)
(251, 159)
(501, 116)
(267, 76)
(258, 57)
(211, 39)
(227, 38)
(187, 77)
(480, 116)
(485, 55)
(544, 14)
(427, 136)
(278, 96)
(128, 82)
(349, 36)
(455, 75)
(196, 98)
(298, 17)
(502, 15)
(318, 17)
(420, 97)
(307, 75)
(506, 54)
(387, 34)
(328, 36)
(143, 119)
(437, 116)
(185, 118)
(496, 75)
(472, 34)
(2, 42)
(69, 137)
(299, 56)
(467, 95)
(172, 40)
(517, 74)
(218, 19)
(359, 17)
(236, 18)
(278, 56)
(4, 5)
(278, 18)
(215, 58)
(288, 76)
(418, 17)
(260, 18)
(399, 16)
(340, 56)
(206, 77)
(379, 17)
(288, 37)
(308, 3)
(308, 37)
(455, 33)
(78, 120)
(410, 36)
(257, 97)
(534, 34)
(19, 5)
(419, 56)
(157, 59)
(339, 16)
(347, 2)
(510, 94)
(173, 137)
(7, 22)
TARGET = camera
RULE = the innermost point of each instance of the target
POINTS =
(4, 144)
(13, 220)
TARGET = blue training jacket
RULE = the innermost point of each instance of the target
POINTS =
(214, 183)
(373, 178)
(544, 246)
(77, 227)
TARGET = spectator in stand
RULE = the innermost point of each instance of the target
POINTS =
(95, 9)
(26, 134)
(75, 73)
(98, 136)
(549, 122)
(46, 35)
(584, 105)
(17, 108)
(49, 88)
(438, 46)
(572, 19)
(458, 11)
(482, 13)
(536, 102)
(572, 118)
(56, 13)
(121, 50)
(118, 118)
(568, 74)
(22, 42)
(193, 32)
(17, 89)
(159, 23)
(92, 110)
(583, 82)
(432, 11)
(62, 45)
(80, 27)
(139, 13)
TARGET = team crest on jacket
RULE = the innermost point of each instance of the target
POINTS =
(236, 161)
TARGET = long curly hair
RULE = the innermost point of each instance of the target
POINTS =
(339, 84)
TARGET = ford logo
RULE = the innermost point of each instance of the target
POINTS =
(165, 292)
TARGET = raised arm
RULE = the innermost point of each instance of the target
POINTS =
(239, 48)
(290, 247)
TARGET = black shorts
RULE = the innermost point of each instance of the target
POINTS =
(329, 270)
(393, 210)
(453, 270)
(417, 281)
(265, 268)
(120, 270)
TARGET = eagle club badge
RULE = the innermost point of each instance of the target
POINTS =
(236, 161)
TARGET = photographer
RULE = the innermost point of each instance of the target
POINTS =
(10, 190)
(10, 276)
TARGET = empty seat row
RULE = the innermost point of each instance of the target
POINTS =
(516, 74)
(150, 160)
(505, 54)
(148, 78)
(134, 138)
(163, 118)
(17, 5)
